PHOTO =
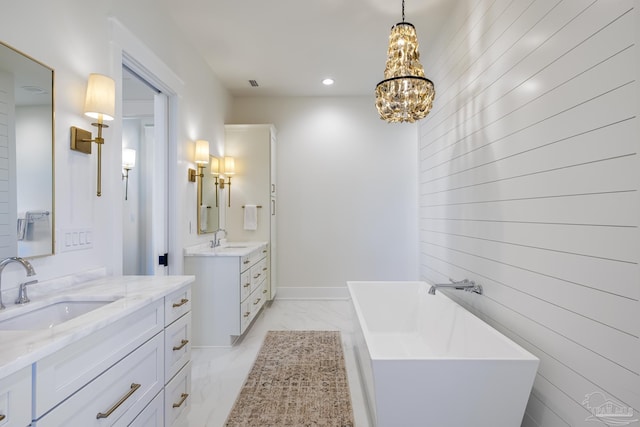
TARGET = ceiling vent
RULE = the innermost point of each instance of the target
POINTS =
(253, 83)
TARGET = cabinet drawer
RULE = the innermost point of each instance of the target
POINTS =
(245, 314)
(152, 415)
(245, 285)
(15, 399)
(177, 341)
(57, 376)
(117, 396)
(177, 400)
(252, 305)
(177, 304)
(259, 297)
(250, 259)
(258, 273)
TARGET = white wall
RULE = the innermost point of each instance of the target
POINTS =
(347, 192)
(75, 38)
(529, 185)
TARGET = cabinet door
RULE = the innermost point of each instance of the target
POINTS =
(272, 161)
(251, 147)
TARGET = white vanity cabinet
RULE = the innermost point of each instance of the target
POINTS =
(15, 390)
(228, 293)
(254, 150)
(123, 374)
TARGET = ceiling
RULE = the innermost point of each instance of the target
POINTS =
(289, 46)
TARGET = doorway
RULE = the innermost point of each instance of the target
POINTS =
(145, 211)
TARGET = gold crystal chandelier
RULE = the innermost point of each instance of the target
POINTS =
(405, 94)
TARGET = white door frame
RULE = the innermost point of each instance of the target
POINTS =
(139, 58)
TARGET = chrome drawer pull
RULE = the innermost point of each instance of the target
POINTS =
(256, 276)
(264, 268)
(264, 251)
(264, 292)
(134, 387)
(246, 261)
(183, 397)
(256, 302)
(181, 346)
(246, 314)
(182, 302)
(246, 285)
(2, 417)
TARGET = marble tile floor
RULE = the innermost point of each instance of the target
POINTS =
(219, 373)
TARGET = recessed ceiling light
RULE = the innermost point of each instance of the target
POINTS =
(327, 82)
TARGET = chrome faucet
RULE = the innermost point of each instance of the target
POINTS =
(23, 298)
(466, 285)
(216, 241)
(26, 264)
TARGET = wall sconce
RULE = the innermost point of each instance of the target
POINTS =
(99, 104)
(229, 169)
(128, 163)
(215, 171)
(201, 159)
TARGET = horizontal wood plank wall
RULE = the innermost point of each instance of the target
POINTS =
(529, 180)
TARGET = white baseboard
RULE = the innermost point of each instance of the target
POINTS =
(326, 293)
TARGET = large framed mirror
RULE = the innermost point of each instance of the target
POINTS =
(26, 155)
(207, 203)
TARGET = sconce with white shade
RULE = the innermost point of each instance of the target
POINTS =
(201, 159)
(128, 163)
(99, 104)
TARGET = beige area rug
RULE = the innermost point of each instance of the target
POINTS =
(298, 379)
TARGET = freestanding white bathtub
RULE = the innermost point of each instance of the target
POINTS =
(426, 361)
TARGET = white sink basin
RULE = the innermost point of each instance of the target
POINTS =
(50, 315)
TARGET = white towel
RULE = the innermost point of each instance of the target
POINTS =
(250, 217)
(203, 218)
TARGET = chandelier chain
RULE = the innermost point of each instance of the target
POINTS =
(402, 10)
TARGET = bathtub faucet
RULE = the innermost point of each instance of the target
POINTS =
(466, 285)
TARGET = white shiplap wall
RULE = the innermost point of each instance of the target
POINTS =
(529, 181)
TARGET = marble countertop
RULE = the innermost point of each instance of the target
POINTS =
(21, 348)
(227, 249)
